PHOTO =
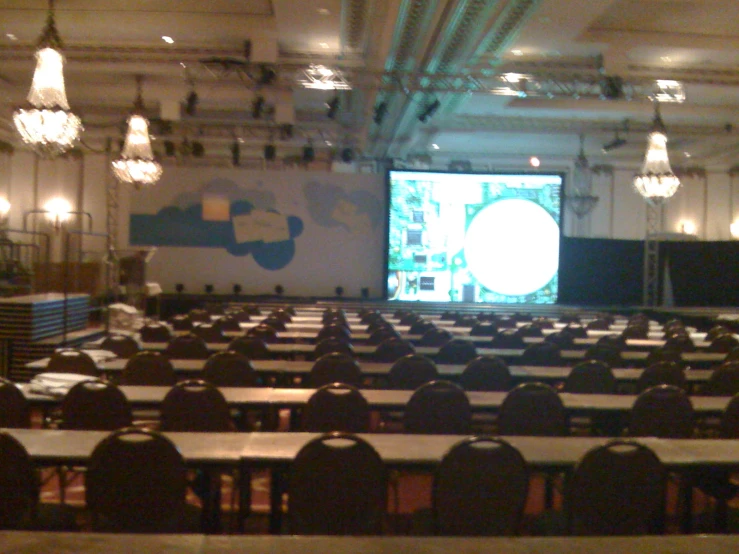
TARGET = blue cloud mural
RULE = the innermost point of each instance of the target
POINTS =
(331, 206)
(251, 226)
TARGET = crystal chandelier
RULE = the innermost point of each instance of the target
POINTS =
(137, 165)
(656, 182)
(48, 125)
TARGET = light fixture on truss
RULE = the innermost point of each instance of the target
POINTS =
(321, 77)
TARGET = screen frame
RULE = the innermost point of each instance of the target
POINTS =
(562, 187)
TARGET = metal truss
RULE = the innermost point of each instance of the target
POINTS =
(651, 296)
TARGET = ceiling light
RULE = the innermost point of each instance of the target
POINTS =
(136, 164)
(687, 154)
(323, 11)
(328, 143)
(48, 126)
(435, 146)
(11, 36)
(734, 229)
(323, 78)
(517, 52)
(668, 91)
(534, 161)
(666, 58)
(168, 40)
(323, 44)
(429, 111)
(656, 182)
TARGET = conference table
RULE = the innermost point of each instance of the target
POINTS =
(285, 371)
(276, 452)
(30, 542)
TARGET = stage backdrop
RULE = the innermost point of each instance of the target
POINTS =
(308, 232)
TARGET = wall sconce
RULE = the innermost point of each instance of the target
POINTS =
(734, 229)
(58, 211)
(4, 211)
(687, 227)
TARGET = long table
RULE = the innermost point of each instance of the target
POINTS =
(27, 542)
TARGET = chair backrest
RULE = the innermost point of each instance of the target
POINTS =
(680, 342)
(412, 371)
(420, 327)
(187, 347)
(614, 341)
(465, 321)
(617, 489)
(136, 481)
(199, 315)
(263, 332)
(730, 419)
(195, 405)
(563, 339)
(253, 348)
(635, 331)
(604, 353)
(148, 368)
(18, 483)
(664, 411)
(480, 488)
(336, 330)
(591, 377)
(332, 344)
(381, 334)
(155, 332)
(335, 367)
(724, 380)
(229, 323)
(392, 349)
(210, 332)
(542, 354)
(484, 329)
(182, 322)
(95, 405)
(716, 331)
(576, 330)
(122, 346)
(274, 322)
(664, 354)
(533, 409)
(599, 324)
(530, 330)
(283, 314)
(733, 355)
(456, 351)
(486, 373)
(15, 412)
(661, 373)
(229, 369)
(507, 338)
(70, 360)
(409, 319)
(336, 407)
(438, 408)
(723, 343)
(437, 336)
(338, 486)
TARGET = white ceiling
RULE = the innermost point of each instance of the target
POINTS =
(404, 54)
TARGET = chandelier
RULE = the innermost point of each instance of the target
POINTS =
(656, 182)
(48, 125)
(137, 165)
(581, 202)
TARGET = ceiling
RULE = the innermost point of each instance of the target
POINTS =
(513, 78)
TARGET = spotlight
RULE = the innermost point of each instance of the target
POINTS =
(333, 107)
(179, 287)
(198, 150)
(617, 142)
(611, 88)
(257, 107)
(429, 111)
(379, 113)
(339, 291)
(270, 152)
(347, 155)
(191, 103)
(365, 292)
(309, 153)
(237, 288)
(208, 289)
(235, 152)
(267, 75)
(279, 289)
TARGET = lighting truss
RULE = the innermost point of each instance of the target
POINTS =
(323, 78)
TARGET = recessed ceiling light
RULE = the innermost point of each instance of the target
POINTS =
(168, 40)
(323, 11)
(435, 146)
(329, 143)
(323, 44)
(183, 64)
(666, 58)
(240, 140)
(11, 36)
(687, 154)
(534, 161)
(517, 52)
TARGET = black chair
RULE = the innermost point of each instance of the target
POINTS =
(508, 339)
(438, 408)
(334, 330)
(181, 322)
(122, 346)
(563, 339)
(15, 411)
(617, 489)
(412, 371)
(337, 486)
(70, 360)
(486, 373)
(229, 369)
(148, 368)
(484, 329)
(229, 324)
(604, 353)
(195, 405)
(381, 334)
(456, 351)
(210, 332)
(187, 347)
(530, 330)
(263, 332)
(576, 330)
(591, 377)
(542, 354)
(437, 336)
(664, 354)
(136, 482)
(274, 322)
(392, 349)
(199, 315)
(533, 409)
(613, 341)
(253, 348)
(336, 407)
(420, 327)
(480, 488)
(156, 332)
(724, 380)
(598, 324)
(661, 373)
(335, 367)
(331, 345)
(723, 343)
(663, 411)
(95, 406)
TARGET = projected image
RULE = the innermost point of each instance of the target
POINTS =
(473, 238)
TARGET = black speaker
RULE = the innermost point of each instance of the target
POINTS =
(339, 291)
(279, 289)
(179, 287)
(209, 288)
(237, 289)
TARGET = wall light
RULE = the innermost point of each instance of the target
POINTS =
(534, 161)
(734, 228)
(4, 207)
(58, 210)
(687, 227)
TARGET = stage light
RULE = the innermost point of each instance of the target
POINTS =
(309, 153)
(235, 153)
(237, 288)
(279, 289)
(198, 150)
(347, 155)
(379, 112)
(339, 291)
(534, 161)
(617, 142)
(333, 107)
(208, 289)
(179, 287)
(257, 107)
(191, 103)
(429, 111)
(270, 152)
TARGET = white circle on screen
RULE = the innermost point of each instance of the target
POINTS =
(512, 247)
